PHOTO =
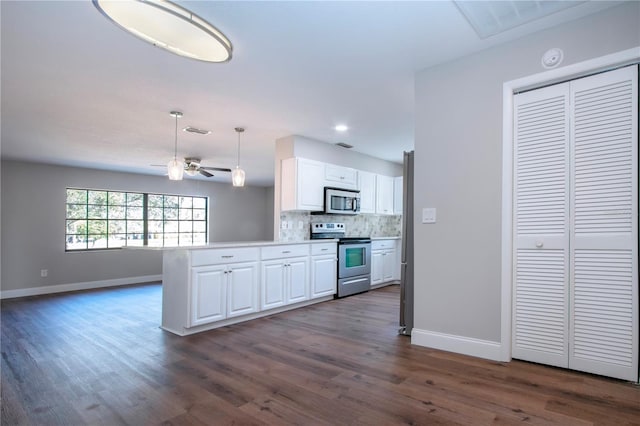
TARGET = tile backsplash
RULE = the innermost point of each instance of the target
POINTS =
(362, 225)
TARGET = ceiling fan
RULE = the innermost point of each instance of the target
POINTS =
(192, 167)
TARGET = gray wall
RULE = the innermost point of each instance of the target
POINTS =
(33, 222)
(459, 164)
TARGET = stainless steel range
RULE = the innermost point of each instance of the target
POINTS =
(354, 258)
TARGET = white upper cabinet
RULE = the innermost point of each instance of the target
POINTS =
(397, 195)
(384, 194)
(367, 187)
(340, 177)
(302, 184)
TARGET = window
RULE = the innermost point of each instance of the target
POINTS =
(111, 219)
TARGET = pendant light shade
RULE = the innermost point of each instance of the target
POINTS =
(175, 168)
(168, 26)
(237, 175)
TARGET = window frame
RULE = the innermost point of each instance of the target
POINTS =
(182, 204)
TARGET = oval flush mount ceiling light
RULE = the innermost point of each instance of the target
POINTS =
(341, 128)
(168, 26)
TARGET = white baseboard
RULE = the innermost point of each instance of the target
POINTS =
(60, 288)
(458, 344)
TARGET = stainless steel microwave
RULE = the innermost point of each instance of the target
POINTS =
(341, 201)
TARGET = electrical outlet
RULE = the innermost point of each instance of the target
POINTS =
(284, 224)
(44, 272)
(300, 224)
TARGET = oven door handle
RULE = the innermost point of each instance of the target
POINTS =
(357, 280)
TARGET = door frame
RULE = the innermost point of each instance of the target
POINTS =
(509, 89)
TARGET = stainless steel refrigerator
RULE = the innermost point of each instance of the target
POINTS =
(406, 271)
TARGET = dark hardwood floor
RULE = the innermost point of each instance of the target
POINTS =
(99, 358)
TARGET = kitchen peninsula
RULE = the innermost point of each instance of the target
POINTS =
(210, 286)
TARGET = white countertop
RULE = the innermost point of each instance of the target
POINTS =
(234, 244)
(247, 244)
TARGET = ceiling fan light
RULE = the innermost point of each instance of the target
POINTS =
(168, 26)
(175, 169)
(191, 172)
(237, 176)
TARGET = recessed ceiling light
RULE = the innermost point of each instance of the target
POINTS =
(169, 26)
(341, 128)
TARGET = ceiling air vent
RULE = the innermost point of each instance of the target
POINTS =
(493, 17)
(195, 130)
(344, 145)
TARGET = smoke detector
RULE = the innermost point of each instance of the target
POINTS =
(552, 58)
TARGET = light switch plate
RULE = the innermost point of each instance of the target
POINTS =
(429, 215)
(283, 224)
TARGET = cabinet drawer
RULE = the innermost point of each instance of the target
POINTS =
(289, 250)
(382, 244)
(220, 256)
(324, 248)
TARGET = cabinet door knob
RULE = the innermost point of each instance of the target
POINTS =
(539, 244)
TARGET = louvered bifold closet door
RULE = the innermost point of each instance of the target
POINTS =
(541, 210)
(604, 238)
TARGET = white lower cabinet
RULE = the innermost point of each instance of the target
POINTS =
(285, 275)
(324, 265)
(385, 265)
(273, 282)
(377, 264)
(298, 280)
(223, 291)
(242, 289)
(389, 265)
(202, 287)
(208, 294)
(284, 281)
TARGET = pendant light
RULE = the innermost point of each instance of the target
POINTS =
(175, 168)
(237, 176)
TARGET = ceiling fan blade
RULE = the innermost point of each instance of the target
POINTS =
(204, 172)
(219, 169)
